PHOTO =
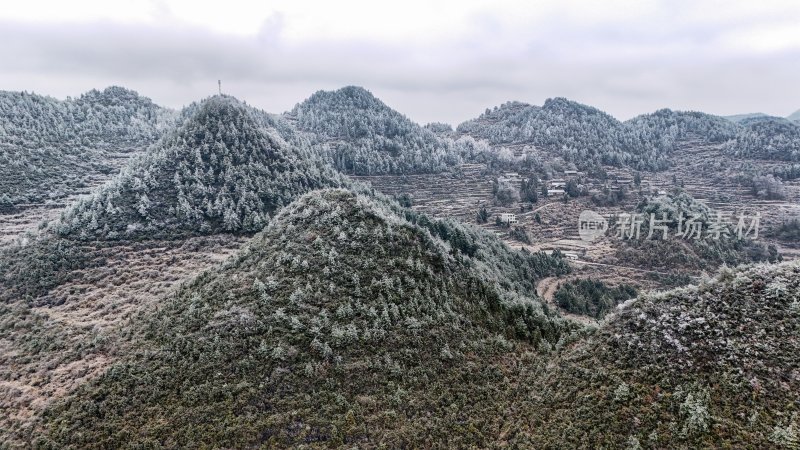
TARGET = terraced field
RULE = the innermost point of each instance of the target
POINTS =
(26, 218)
(461, 195)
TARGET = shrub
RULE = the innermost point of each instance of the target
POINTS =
(592, 297)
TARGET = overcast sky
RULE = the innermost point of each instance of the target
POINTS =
(431, 60)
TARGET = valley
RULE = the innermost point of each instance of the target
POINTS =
(460, 195)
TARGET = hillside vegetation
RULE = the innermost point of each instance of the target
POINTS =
(708, 366)
(767, 138)
(48, 147)
(346, 322)
(592, 297)
(717, 243)
(222, 170)
(363, 136)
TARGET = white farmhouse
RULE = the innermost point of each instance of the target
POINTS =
(508, 218)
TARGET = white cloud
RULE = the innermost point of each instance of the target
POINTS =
(434, 60)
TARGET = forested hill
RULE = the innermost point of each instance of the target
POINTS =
(587, 136)
(49, 147)
(417, 333)
(347, 322)
(560, 122)
(707, 366)
(222, 170)
(767, 138)
(663, 129)
(363, 136)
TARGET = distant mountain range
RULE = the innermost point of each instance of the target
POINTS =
(738, 118)
(51, 148)
(589, 137)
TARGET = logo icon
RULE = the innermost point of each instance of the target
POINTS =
(591, 226)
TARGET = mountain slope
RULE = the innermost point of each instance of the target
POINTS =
(223, 169)
(50, 147)
(712, 366)
(767, 138)
(363, 136)
(343, 323)
(795, 116)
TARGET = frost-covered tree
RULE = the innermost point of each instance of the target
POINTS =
(48, 146)
(226, 168)
(768, 187)
(360, 135)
